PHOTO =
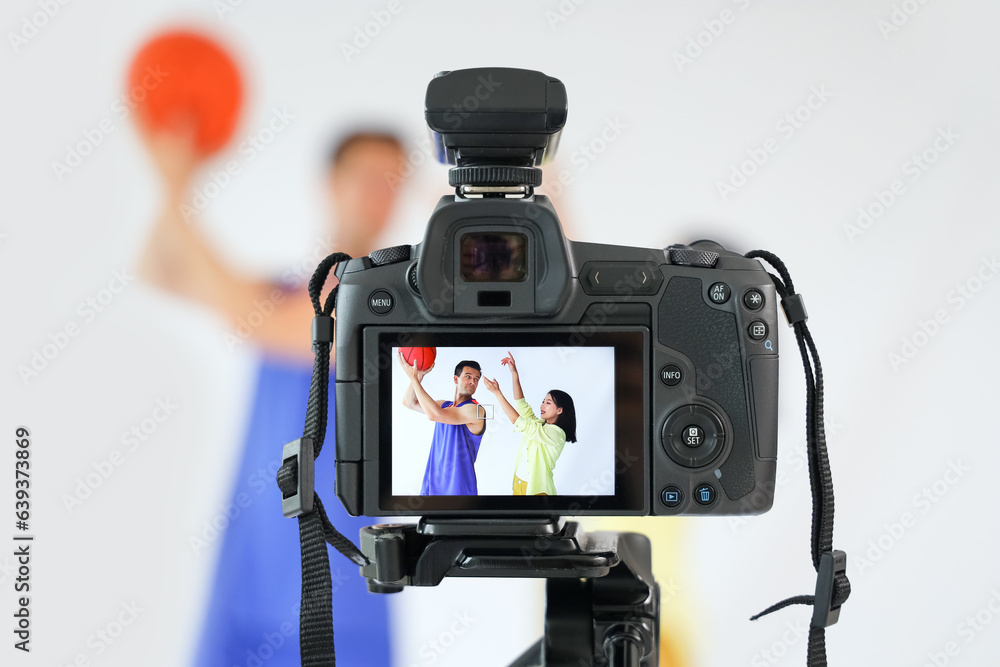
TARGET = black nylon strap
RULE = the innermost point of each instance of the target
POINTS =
(816, 655)
(831, 593)
(315, 530)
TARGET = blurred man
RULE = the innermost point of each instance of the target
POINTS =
(179, 258)
(252, 614)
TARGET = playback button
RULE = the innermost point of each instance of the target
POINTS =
(671, 496)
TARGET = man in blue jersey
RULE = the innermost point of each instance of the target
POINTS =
(251, 615)
(458, 430)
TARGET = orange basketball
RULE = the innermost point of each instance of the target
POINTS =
(182, 80)
(423, 356)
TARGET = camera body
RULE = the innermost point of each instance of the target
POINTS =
(671, 354)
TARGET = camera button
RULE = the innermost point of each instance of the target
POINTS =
(704, 494)
(620, 279)
(694, 436)
(719, 293)
(671, 375)
(753, 299)
(757, 330)
(381, 302)
(707, 442)
(671, 496)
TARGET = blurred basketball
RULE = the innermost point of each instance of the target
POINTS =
(423, 356)
(182, 81)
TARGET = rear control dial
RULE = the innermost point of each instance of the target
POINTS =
(693, 436)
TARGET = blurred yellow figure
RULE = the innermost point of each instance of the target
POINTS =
(665, 534)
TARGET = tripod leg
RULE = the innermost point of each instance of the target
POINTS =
(569, 627)
(569, 623)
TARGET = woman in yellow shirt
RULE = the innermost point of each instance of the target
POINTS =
(544, 436)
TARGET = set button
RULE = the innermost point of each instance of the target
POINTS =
(694, 436)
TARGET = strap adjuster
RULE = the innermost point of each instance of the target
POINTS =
(322, 331)
(296, 477)
(794, 308)
(832, 589)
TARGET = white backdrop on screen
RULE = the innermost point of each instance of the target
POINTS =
(587, 374)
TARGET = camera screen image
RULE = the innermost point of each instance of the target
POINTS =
(459, 438)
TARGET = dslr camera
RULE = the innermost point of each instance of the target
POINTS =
(669, 356)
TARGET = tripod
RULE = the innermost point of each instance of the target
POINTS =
(602, 604)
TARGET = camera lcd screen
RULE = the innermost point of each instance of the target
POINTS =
(456, 435)
(499, 257)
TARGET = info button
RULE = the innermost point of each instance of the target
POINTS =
(381, 302)
(671, 375)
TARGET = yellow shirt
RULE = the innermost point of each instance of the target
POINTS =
(540, 448)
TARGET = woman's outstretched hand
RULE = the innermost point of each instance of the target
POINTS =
(508, 361)
(492, 385)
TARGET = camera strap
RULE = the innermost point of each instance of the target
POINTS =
(832, 585)
(299, 498)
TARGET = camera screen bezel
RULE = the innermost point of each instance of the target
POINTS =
(631, 426)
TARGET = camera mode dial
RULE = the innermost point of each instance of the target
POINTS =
(397, 253)
(683, 255)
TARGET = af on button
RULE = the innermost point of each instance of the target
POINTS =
(719, 293)
(381, 302)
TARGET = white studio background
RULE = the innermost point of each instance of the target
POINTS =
(587, 374)
(877, 185)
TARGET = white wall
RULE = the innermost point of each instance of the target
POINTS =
(920, 536)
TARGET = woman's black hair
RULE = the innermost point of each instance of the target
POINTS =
(567, 420)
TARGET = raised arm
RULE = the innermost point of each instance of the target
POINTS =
(467, 414)
(179, 258)
(410, 397)
(508, 361)
(508, 409)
